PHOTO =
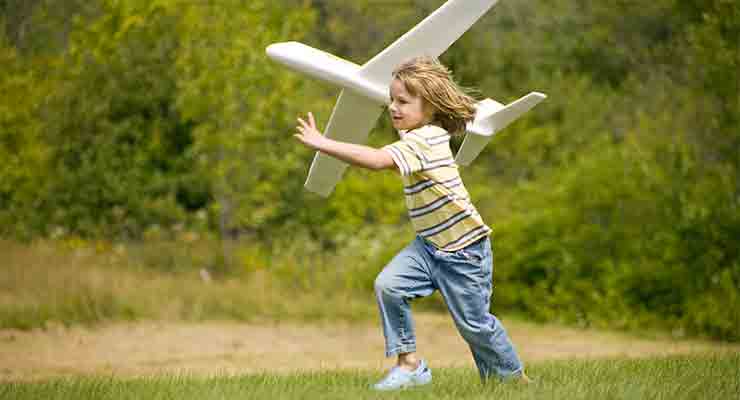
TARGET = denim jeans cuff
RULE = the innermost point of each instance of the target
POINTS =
(502, 378)
(515, 374)
(404, 348)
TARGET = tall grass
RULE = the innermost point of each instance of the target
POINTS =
(186, 277)
(675, 378)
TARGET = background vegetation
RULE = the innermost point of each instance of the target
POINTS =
(157, 134)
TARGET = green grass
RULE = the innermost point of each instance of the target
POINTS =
(674, 378)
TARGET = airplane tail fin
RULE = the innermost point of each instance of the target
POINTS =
(490, 118)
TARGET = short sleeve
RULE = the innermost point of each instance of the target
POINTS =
(406, 156)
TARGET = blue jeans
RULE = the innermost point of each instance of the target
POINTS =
(464, 278)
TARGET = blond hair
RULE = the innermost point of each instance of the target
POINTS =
(428, 78)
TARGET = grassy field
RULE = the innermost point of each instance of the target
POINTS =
(674, 378)
(95, 284)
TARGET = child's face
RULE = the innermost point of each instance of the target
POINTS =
(408, 111)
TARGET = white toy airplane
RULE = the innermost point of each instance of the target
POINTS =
(365, 88)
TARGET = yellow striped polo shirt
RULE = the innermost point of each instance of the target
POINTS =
(438, 203)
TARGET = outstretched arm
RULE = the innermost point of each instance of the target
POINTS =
(355, 154)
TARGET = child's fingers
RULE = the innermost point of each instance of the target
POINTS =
(311, 120)
(302, 122)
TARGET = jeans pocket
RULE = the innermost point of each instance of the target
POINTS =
(471, 256)
(462, 256)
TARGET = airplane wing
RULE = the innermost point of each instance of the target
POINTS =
(431, 37)
(353, 118)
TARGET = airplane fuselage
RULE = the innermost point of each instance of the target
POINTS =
(327, 67)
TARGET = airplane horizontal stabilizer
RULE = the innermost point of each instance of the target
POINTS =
(490, 118)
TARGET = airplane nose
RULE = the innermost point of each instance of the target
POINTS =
(273, 50)
(280, 51)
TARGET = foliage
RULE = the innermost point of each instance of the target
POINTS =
(122, 119)
(591, 258)
(24, 156)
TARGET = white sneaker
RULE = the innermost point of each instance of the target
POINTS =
(399, 378)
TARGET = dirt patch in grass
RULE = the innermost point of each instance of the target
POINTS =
(150, 348)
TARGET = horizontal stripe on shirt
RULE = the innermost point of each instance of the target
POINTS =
(426, 220)
(426, 209)
(467, 236)
(443, 138)
(427, 183)
(446, 224)
(422, 157)
(439, 164)
(425, 163)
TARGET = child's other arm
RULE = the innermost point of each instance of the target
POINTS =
(355, 154)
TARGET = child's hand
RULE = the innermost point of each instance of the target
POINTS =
(308, 134)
